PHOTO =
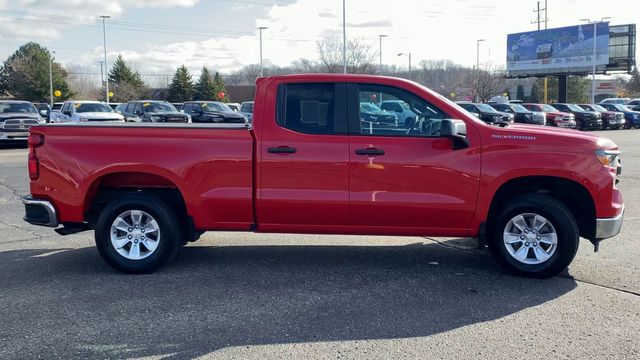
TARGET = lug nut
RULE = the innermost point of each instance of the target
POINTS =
(522, 237)
(130, 229)
(129, 237)
(526, 244)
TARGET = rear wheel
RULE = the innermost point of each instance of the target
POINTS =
(138, 233)
(534, 235)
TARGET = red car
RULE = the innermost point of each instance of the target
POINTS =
(311, 164)
(554, 117)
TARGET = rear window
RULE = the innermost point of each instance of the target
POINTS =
(309, 109)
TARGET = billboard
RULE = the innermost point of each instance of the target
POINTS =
(567, 50)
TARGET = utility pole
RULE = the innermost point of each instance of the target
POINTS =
(595, 54)
(261, 63)
(539, 21)
(101, 73)
(381, 36)
(344, 36)
(51, 78)
(106, 65)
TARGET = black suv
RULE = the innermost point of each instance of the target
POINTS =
(486, 113)
(153, 111)
(585, 120)
(212, 112)
(520, 113)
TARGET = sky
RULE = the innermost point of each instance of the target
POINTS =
(156, 36)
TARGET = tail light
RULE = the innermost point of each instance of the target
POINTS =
(34, 141)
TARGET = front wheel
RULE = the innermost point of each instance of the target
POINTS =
(137, 233)
(535, 236)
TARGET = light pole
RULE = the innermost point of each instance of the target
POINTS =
(595, 54)
(344, 36)
(106, 65)
(409, 56)
(261, 63)
(101, 73)
(51, 78)
(478, 53)
(380, 37)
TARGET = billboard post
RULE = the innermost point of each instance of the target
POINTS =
(593, 75)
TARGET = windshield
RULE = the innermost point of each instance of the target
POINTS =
(622, 107)
(25, 108)
(519, 108)
(93, 107)
(247, 107)
(548, 108)
(487, 108)
(574, 107)
(158, 107)
(370, 108)
(215, 106)
(597, 108)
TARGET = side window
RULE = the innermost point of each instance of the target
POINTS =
(310, 108)
(197, 107)
(186, 108)
(420, 118)
(138, 108)
(129, 108)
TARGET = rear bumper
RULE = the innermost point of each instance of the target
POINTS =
(609, 227)
(39, 212)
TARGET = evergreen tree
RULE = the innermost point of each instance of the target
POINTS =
(220, 88)
(633, 86)
(125, 83)
(25, 75)
(181, 88)
(205, 88)
(520, 92)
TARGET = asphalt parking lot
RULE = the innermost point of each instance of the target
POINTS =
(236, 295)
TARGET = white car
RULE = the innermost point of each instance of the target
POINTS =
(85, 111)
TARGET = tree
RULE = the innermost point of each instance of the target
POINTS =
(181, 88)
(520, 92)
(205, 88)
(125, 83)
(25, 74)
(633, 86)
(360, 56)
(483, 84)
(219, 88)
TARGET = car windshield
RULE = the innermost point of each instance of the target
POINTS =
(215, 106)
(92, 107)
(548, 108)
(519, 108)
(370, 108)
(157, 107)
(486, 108)
(574, 107)
(247, 107)
(622, 107)
(25, 108)
(597, 108)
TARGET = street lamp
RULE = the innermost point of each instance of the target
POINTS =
(51, 78)
(478, 53)
(409, 56)
(106, 65)
(261, 63)
(380, 37)
(595, 54)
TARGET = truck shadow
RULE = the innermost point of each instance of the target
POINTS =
(211, 298)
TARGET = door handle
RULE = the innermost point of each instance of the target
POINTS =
(369, 151)
(282, 150)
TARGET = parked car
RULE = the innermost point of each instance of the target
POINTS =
(57, 106)
(373, 115)
(485, 112)
(610, 119)
(401, 109)
(114, 105)
(553, 116)
(154, 111)
(632, 118)
(234, 106)
(585, 120)
(308, 167)
(620, 101)
(16, 117)
(85, 111)
(212, 112)
(44, 110)
(521, 115)
(120, 108)
(633, 104)
(246, 109)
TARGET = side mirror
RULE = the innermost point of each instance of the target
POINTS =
(456, 130)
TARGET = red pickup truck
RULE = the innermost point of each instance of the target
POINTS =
(311, 162)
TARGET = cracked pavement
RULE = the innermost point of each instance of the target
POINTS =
(239, 296)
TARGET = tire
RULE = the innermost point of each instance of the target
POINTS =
(154, 248)
(579, 125)
(535, 256)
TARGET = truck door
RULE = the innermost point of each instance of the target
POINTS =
(303, 176)
(406, 178)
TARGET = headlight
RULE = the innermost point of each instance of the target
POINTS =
(636, 116)
(607, 157)
(155, 118)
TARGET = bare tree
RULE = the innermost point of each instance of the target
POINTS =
(360, 56)
(483, 84)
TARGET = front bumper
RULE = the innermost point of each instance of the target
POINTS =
(609, 227)
(13, 135)
(39, 212)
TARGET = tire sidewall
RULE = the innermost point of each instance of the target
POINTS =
(155, 207)
(562, 221)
